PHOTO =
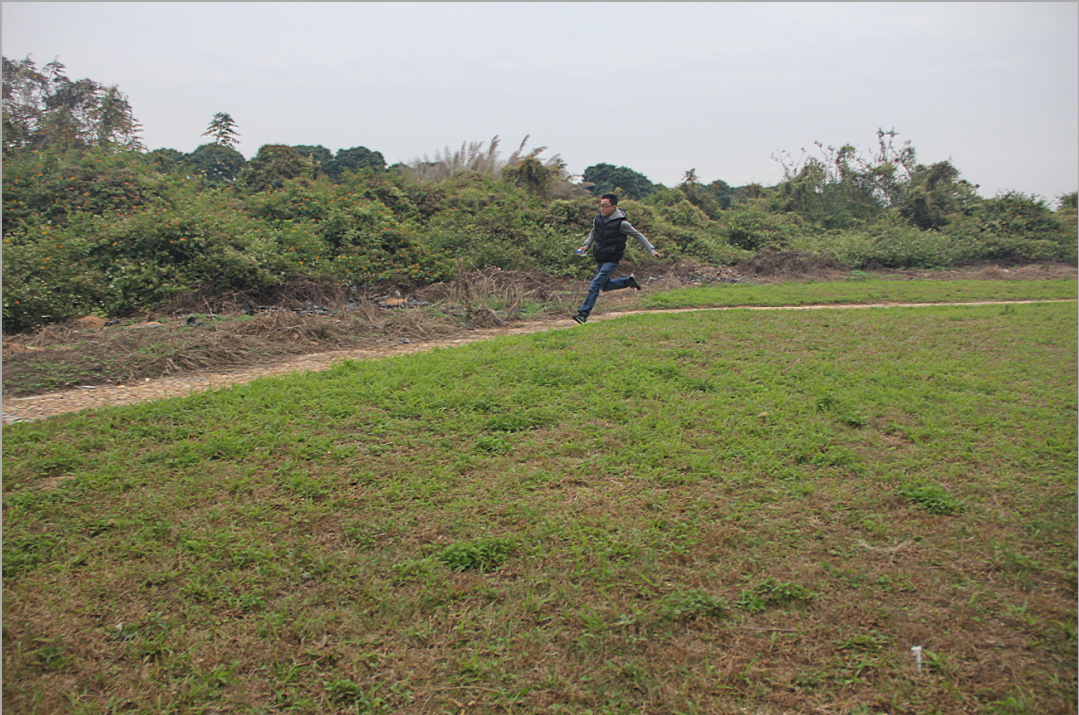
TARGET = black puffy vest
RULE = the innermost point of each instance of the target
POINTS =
(610, 243)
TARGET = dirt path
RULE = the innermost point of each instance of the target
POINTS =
(29, 409)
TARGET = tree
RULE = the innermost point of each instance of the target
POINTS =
(273, 166)
(934, 194)
(697, 194)
(355, 159)
(219, 164)
(837, 190)
(843, 187)
(320, 156)
(606, 178)
(749, 192)
(165, 159)
(722, 192)
(46, 110)
(223, 129)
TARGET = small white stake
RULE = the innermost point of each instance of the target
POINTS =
(917, 650)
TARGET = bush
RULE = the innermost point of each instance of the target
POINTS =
(394, 255)
(114, 265)
(484, 223)
(46, 187)
(751, 227)
(348, 235)
(899, 245)
(678, 229)
(1015, 214)
(389, 189)
(1015, 227)
(47, 279)
(201, 243)
(572, 217)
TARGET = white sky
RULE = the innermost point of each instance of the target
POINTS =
(658, 87)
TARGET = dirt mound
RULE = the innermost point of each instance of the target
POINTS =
(790, 264)
(293, 294)
(511, 287)
(1029, 272)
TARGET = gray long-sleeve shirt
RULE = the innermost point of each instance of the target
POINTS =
(625, 228)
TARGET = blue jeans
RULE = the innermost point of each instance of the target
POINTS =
(602, 282)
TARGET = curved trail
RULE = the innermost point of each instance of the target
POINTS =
(29, 409)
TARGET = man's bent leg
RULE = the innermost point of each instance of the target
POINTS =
(603, 276)
(617, 284)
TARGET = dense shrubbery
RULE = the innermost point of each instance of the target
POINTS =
(48, 186)
(111, 231)
(92, 223)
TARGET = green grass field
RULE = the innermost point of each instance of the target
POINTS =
(858, 290)
(708, 512)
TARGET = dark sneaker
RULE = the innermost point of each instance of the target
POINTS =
(633, 282)
(580, 318)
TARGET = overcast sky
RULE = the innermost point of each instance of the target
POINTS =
(658, 87)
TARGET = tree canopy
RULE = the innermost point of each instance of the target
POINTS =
(273, 166)
(44, 109)
(220, 164)
(320, 155)
(355, 159)
(223, 130)
(607, 178)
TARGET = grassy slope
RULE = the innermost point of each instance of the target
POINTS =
(684, 513)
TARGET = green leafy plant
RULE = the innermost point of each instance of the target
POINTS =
(481, 555)
(692, 604)
(772, 593)
(933, 498)
(362, 699)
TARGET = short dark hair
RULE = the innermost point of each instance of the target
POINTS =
(610, 197)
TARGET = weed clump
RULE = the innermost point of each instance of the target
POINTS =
(692, 605)
(933, 498)
(481, 555)
(770, 593)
